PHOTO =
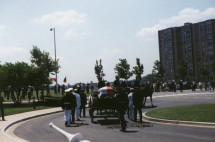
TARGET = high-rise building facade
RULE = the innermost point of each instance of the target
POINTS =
(192, 43)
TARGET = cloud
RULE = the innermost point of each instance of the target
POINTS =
(148, 33)
(107, 54)
(62, 18)
(8, 50)
(189, 15)
(73, 33)
(111, 52)
(186, 15)
(2, 27)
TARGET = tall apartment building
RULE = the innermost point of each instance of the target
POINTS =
(192, 43)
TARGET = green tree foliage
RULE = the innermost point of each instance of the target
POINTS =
(150, 77)
(15, 78)
(44, 65)
(158, 70)
(99, 70)
(138, 69)
(122, 69)
(203, 74)
(182, 70)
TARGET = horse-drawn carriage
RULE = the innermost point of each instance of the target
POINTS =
(102, 100)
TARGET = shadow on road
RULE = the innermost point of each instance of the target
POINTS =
(108, 122)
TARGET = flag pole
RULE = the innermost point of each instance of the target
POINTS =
(55, 59)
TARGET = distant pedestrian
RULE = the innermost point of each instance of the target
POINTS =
(200, 85)
(2, 107)
(29, 93)
(181, 86)
(63, 89)
(34, 103)
(131, 106)
(87, 88)
(91, 87)
(77, 108)
(83, 103)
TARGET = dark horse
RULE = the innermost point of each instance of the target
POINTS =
(147, 91)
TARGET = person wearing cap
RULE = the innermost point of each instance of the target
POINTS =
(78, 102)
(66, 104)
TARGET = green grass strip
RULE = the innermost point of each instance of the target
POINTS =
(199, 113)
(11, 111)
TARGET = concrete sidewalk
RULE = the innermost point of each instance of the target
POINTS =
(13, 119)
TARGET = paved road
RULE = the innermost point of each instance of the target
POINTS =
(37, 130)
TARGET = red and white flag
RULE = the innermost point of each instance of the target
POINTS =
(53, 79)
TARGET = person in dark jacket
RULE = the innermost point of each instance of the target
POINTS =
(83, 103)
(68, 104)
(121, 106)
(101, 83)
(137, 102)
(181, 86)
(2, 107)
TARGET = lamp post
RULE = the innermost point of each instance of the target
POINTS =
(53, 29)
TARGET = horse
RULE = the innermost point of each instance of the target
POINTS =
(147, 91)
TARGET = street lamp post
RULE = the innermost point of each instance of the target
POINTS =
(53, 29)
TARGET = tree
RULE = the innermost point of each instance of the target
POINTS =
(150, 78)
(123, 69)
(44, 65)
(15, 78)
(138, 69)
(99, 70)
(203, 74)
(182, 69)
(158, 70)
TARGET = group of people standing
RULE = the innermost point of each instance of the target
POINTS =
(130, 98)
(73, 103)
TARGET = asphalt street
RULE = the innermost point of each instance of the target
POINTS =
(38, 130)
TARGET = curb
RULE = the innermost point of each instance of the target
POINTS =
(4, 129)
(178, 122)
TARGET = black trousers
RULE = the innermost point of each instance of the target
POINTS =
(82, 108)
(122, 119)
(2, 112)
(135, 113)
(73, 115)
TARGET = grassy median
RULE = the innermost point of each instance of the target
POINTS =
(10, 109)
(199, 113)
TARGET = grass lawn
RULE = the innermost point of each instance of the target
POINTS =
(10, 109)
(200, 113)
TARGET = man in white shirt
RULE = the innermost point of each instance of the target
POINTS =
(131, 107)
(77, 108)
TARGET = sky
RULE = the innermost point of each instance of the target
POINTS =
(90, 30)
